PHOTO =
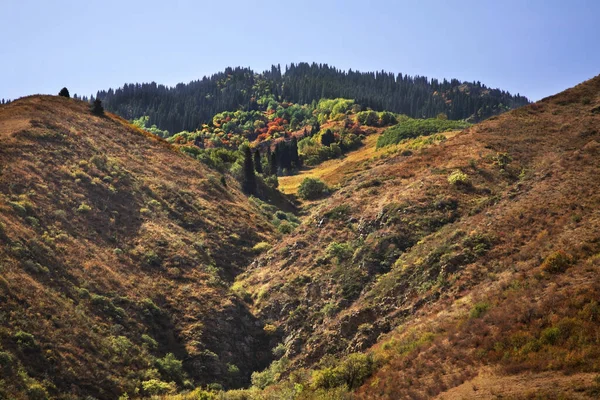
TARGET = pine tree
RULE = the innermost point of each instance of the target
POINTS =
(64, 92)
(269, 170)
(316, 127)
(294, 157)
(328, 138)
(97, 107)
(274, 158)
(249, 179)
(257, 165)
(285, 161)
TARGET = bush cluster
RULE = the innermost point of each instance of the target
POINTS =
(312, 188)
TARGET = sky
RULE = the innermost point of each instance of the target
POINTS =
(532, 47)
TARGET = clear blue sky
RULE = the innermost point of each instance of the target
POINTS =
(536, 48)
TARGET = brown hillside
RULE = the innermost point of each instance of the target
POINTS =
(481, 251)
(116, 250)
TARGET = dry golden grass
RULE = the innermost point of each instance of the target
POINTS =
(339, 171)
(544, 385)
(332, 172)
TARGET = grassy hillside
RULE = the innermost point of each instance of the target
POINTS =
(457, 265)
(452, 258)
(116, 257)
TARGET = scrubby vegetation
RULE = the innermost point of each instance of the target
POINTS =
(411, 128)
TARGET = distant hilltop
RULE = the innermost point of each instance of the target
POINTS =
(188, 106)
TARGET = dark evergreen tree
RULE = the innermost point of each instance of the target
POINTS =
(64, 92)
(274, 162)
(257, 162)
(328, 138)
(285, 160)
(249, 178)
(269, 170)
(97, 108)
(294, 157)
(315, 128)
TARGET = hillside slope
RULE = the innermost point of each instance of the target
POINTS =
(115, 251)
(482, 250)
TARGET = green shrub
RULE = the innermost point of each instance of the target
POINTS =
(204, 395)
(351, 281)
(232, 369)
(155, 387)
(313, 152)
(373, 118)
(262, 379)
(261, 247)
(330, 309)
(353, 371)
(170, 368)
(6, 360)
(271, 181)
(270, 375)
(502, 160)
(279, 350)
(193, 151)
(285, 228)
(458, 178)
(327, 378)
(557, 262)
(270, 329)
(19, 208)
(106, 306)
(152, 259)
(312, 188)
(35, 391)
(341, 251)
(479, 309)
(120, 346)
(550, 336)
(338, 212)
(149, 341)
(25, 341)
(84, 208)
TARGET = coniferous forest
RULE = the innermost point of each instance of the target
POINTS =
(188, 106)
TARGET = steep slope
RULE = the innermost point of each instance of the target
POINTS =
(480, 250)
(116, 250)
